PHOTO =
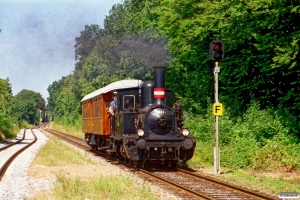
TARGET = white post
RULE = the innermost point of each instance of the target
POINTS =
(216, 149)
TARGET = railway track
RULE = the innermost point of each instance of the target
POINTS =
(70, 138)
(194, 186)
(249, 194)
(78, 142)
(202, 187)
(18, 147)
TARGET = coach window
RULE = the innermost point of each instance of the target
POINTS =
(128, 102)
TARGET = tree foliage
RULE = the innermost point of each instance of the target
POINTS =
(6, 103)
(261, 51)
(66, 103)
(6, 99)
(261, 61)
(119, 51)
(27, 106)
(85, 43)
(18, 110)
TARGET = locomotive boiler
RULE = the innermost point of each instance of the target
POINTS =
(146, 127)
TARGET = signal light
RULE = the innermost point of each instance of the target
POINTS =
(216, 49)
(40, 107)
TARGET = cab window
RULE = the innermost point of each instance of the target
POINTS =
(128, 102)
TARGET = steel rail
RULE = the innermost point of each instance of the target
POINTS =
(79, 144)
(192, 192)
(66, 137)
(228, 186)
(11, 159)
(13, 143)
(187, 190)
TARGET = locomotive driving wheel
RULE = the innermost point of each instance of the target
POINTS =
(123, 151)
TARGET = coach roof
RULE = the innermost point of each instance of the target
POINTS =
(113, 87)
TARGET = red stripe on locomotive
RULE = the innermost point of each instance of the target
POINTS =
(159, 93)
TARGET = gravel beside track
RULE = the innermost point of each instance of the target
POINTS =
(108, 169)
(16, 184)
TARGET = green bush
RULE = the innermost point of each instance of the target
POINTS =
(258, 140)
(201, 127)
(6, 127)
(238, 153)
(280, 152)
(25, 124)
(262, 124)
(72, 119)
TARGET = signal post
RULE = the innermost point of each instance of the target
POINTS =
(41, 108)
(216, 49)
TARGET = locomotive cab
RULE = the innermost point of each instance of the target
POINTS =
(127, 107)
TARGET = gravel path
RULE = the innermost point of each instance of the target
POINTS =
(16, 184)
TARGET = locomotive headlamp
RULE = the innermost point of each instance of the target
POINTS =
(140, 132)
(185, 132)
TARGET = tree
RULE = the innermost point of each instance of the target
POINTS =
(67, 107)
(86, 41)
(6, 103)
(261, 51)
(54, 90)
(27, 106)
(6, 99)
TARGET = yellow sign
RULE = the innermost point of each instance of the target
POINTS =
(41, 119)
(218, 108)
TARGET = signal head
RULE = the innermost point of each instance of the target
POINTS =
(216, 49)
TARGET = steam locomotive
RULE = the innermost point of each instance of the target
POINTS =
(146, 127)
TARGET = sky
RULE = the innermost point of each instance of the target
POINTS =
(38, 37)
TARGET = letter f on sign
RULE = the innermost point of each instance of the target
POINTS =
(218, 109)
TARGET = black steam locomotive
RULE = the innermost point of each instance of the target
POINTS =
(146, 127)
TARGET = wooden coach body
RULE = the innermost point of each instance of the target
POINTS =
(95, 118)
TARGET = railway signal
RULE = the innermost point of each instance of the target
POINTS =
(216, 49)
(216, 53)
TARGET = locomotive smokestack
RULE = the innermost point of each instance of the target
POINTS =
(159, 85)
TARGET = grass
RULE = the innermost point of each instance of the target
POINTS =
(98, 188)
(110, 187)
(67, 129)
(7, 137)
(270, 185)
(56, 154)
(265, 181)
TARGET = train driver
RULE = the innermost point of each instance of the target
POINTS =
(113, 106)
